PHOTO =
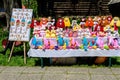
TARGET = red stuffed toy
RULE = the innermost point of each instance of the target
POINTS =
(60, 23)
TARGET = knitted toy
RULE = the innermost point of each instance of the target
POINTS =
(60, 23)
(67, 22)
(82, 23)
(89, 23)
(115, 43)
(37, 41)
(110, 42)
(43, 23)
(100, 42)
(60, 41)
(85, 43)
(115, 23)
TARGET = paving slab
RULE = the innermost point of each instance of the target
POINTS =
(115, 70)
(103, 77)
(78, 77)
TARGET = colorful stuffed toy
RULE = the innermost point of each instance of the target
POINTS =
(115, 43)
(89, 23)
(116, 24)
(43, 23)
(100, 42)
(67, 22)
(82, 23)
(60, 23)
(37, 41)
(85, 43)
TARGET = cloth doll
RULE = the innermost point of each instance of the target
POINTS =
(110, 42)
(43, 23)
(89, 23)
(60, 41)
(100, 42)
(108, 30)
(60, 23)
(116, 24)
(67, 22)
(85, 43)
(37, 41)
(93, 43)
(115, 43)
(82, 23)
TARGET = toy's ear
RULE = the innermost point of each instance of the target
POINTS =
(112, 22)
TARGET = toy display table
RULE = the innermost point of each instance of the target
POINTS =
(73, 53)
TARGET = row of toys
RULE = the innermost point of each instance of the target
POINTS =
(99, 32)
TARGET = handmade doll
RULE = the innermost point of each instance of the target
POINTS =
(89, 23)
(50, 23)
(60, 41)
(53, 33)
(100, 42)
(115, 43)
(43, 23)
(82, 23)
(109, 19)
(67, 22)
(110, 42)
(60, 23)
(116, 24)
(74, 24)
(95, 23)
(104, 21)
(93, 43)
(108, 30)
(85, 43)
(37, 41)
(46, 39)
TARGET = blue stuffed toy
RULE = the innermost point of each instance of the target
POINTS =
(60, 41)
(85, 43)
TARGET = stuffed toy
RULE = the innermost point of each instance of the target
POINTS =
(89, 23)
(53, 34)
(85, 43)
(93, 43)
(67, 22)
(116, 24)
(43, 23)
(82, 23)
(104, 21)
(100, 42)
(60, 40)
(108, 30)
(37, 41)
(53, 43)
(47, 34)
(109, 19)
(50, 24)
(46, 43)
(115, 43)
(110, 42)
(60, 23)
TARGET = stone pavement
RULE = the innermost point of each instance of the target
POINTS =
(59, 73)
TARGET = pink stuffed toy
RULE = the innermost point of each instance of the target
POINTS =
(100, 42)
(115, 43)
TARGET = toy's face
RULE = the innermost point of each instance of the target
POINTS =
(116, 19)
(43, 21)
(83, 19)
(66, 19)
(89, 19)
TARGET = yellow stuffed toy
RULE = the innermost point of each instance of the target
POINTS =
(67, 22)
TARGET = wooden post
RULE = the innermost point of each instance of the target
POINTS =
(11, 51)
(24, 53)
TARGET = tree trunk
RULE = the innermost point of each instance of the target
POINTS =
(8, 6)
